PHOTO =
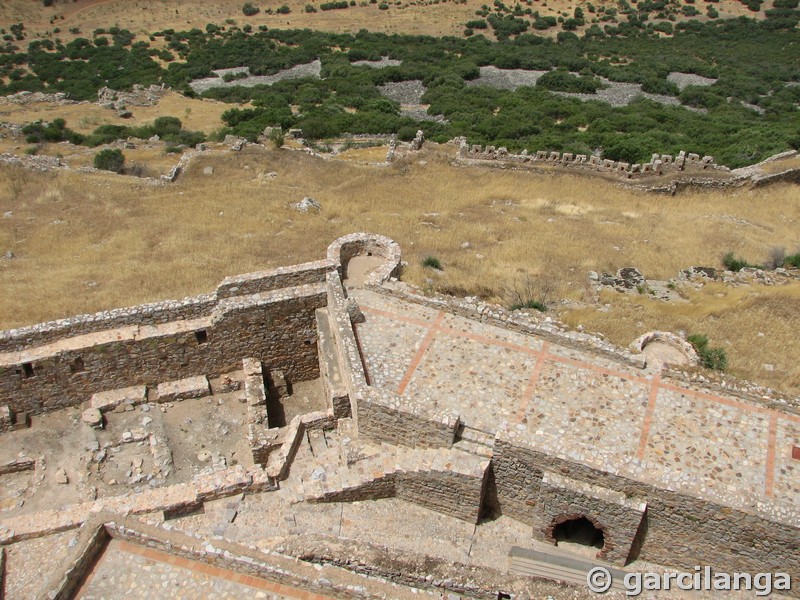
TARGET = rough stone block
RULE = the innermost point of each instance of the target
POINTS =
(182, 389)
(6, 417)
(108, 401)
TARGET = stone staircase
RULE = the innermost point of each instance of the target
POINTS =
(448, 480)
(551, 562)
(474, 441)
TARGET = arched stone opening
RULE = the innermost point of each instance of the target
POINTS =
(579, 533)
(665, 348)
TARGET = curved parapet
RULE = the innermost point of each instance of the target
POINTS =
(666, 348)
(344, 249)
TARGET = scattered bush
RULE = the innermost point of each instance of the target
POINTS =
(277, 137)
(432, 262)
(283, 10)
(731, 263)
(249, 10)
(54, 131)
(793, 260)
(534, 304)
(711, 358)
(310, 8)
(110, 160)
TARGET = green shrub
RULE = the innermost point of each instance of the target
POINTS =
(731, 263)
(534, 304)
(277, 137)
(310, 8)
(711, 358)
(432, 262)
(793, 260)
(283, 10)
(109, 160)
(249, 10)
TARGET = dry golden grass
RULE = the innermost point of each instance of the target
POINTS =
(85, 243)
(782, 165)
(421, 17)
(755, 325)
(195, 114)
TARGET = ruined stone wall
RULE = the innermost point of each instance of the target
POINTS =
(659, 163)
(453, 494)
(387, 417)
(67, 361)
(164, 312)
(678, 529)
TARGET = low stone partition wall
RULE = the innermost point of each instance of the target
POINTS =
(276, 327)
(91, 543)
(678, 529)
(448, 492)
(355, 244)
(280, 461)
(344, 341)
(387, 417)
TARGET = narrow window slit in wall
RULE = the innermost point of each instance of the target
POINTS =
(201, 335)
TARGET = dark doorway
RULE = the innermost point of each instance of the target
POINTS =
(579, 531)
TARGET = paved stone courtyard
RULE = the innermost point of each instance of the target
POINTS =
(581, 406)
(126, 570)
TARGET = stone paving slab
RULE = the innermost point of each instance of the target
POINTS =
(183, 389)
(106, 401)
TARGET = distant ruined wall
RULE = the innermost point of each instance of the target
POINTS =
(678, 529)
(268, 316)
(659, 163)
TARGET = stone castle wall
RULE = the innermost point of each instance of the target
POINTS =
(677, 529)
(268, 316)
(659, 164)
